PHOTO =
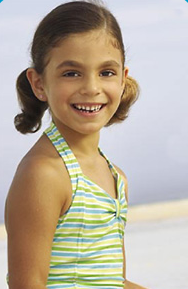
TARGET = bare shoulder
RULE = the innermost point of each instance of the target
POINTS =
(124, 180)
(39, 180)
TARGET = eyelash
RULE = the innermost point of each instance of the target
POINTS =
(71, 74)
(77, 74)
(109, 72)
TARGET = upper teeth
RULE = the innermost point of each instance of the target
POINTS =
(88, 108)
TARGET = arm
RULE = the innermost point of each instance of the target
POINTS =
(33, 207)
(130, 285)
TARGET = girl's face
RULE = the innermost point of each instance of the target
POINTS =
(83, 81)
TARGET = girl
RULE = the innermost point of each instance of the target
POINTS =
(66, 208)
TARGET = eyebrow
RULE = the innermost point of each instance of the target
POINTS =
(72, 63)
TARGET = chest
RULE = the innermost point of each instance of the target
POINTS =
(98, 172)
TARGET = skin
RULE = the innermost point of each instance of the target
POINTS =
(84, 69)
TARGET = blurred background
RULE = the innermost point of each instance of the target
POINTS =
(151, 146)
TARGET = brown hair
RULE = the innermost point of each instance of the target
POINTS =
(69, 18)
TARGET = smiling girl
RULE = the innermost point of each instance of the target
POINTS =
(66, 208)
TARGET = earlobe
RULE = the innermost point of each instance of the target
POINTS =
(36, 83)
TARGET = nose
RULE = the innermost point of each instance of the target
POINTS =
(90, 86)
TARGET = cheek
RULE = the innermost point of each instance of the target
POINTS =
(114, 90)
(57, 94)
(65, 90)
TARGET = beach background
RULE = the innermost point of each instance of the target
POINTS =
(151, 146)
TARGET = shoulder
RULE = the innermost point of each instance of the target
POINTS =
(122, 175)
(124, 180)
(42, 167)
(43, 162)
(41, 182)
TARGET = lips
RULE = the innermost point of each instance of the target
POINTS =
(88, 108)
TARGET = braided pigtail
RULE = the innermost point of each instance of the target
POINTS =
(29, 120)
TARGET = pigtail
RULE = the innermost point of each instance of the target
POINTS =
(30, 119)
(129, 97)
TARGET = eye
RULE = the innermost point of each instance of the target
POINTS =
(71, 74)
(107, 73)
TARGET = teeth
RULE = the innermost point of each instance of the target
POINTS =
(88, 108)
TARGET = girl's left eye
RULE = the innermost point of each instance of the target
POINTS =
(107, 73)
(71, 74)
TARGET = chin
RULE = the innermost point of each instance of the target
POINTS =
(90, 129)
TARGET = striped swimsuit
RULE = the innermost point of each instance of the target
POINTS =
(87, 245)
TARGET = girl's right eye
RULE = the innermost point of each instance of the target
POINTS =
(71, 74)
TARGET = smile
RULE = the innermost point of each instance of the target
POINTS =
(88, 108)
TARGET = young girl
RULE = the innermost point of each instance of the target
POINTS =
(66, 208)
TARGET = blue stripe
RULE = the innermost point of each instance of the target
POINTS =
(89, 211)
(85, 226)
(84, 240)
(60, 286)
(89, 266)
(98, 253)
(93, 195)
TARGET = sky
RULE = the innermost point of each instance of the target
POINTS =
(151, 146)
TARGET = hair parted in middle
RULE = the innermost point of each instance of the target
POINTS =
(66, 19)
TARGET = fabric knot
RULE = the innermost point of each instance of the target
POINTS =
(117, 208)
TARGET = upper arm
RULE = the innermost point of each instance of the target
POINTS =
(32, 211)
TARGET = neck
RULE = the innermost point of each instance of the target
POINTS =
(82, 145)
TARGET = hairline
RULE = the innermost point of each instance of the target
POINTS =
(60, 40)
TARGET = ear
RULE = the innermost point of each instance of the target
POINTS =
(36, 83)
(126, 71)
(125, 74)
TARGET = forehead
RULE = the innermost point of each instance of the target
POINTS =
(94, 46)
